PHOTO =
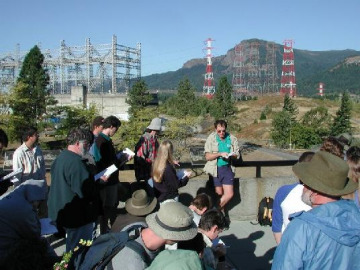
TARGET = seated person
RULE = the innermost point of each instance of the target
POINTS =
(211, 224)
(199, 205)
(137, 207)
(18, 216)
(166, 182)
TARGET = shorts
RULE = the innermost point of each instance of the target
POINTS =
(225, 176)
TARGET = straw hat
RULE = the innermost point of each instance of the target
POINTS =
(325, 173)
(140, 204)
(173, 221)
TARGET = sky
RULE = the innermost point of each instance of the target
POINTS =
(173, 32)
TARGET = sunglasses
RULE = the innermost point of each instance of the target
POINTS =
(221, 131)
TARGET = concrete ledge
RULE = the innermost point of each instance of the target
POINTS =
(247, 193)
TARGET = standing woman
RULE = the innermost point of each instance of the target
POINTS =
(166, 182)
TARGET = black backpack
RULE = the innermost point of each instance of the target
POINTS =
(100, 253)
(265, 211)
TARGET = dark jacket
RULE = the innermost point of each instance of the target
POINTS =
(74, 195)
(105, 156)
(170, 184)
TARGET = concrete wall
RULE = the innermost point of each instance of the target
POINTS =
(106, 104)
(247, 193)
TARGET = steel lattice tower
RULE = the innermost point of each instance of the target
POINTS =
(209, 84)
(288, 82)
(239, 84)
(269, 70)
(102, 68)
(253, 75)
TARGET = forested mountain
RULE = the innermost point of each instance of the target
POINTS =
(311, 67)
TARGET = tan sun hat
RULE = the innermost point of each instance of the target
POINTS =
(140, 204)
(174, 221)
(326, 173)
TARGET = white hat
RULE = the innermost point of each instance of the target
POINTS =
(156, 124)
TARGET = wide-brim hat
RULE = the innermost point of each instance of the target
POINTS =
(156, 124)
(140, 204)
(326, 173)
(173, 221)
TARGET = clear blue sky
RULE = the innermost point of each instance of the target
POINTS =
(172, 32)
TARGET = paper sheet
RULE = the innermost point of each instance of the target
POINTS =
(107, 172)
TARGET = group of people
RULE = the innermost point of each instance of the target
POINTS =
(78, 200)
(316, 222)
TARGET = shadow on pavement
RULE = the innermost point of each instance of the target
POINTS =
(242, 252)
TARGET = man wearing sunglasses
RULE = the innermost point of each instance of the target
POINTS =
(220, 148)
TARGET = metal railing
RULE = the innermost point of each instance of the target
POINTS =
(50, 155)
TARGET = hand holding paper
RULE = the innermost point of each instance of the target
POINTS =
(106, 173)
(181, 174)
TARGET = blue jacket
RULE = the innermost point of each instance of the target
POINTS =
(326, 237)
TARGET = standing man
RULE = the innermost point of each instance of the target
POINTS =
(328, 236)
(146, 150)
(220, 148)
(73, 192)
(29, 157)
(5, 184)
(3, 139)
(96, 127)
(105, 156)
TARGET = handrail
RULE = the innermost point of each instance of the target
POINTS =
(50, 155)
(253, 163)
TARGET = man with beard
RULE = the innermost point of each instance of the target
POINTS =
(73, 193)
(328, 236)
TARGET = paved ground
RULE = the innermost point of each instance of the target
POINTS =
(251, 246)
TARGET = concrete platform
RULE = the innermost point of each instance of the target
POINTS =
(251, 246)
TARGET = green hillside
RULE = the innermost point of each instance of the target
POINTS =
(311, 67)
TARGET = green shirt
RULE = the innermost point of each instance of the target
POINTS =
(224, 146)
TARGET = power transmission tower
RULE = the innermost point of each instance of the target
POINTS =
(288, 82)
(209, 84)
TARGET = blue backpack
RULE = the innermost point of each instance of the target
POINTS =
(106, 246)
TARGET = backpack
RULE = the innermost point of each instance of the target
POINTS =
(265, 211)
(106, 246)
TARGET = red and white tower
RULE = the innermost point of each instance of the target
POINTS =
(288, 82)
(321, 89)
(209, 84)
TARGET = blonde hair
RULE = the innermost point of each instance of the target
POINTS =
(164, 155)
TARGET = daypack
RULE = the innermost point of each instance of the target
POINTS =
(106, 246)
(265, 211)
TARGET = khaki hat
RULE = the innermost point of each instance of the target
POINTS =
(174, 221)
(156, 124)
(140, 204)
(325, 173)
